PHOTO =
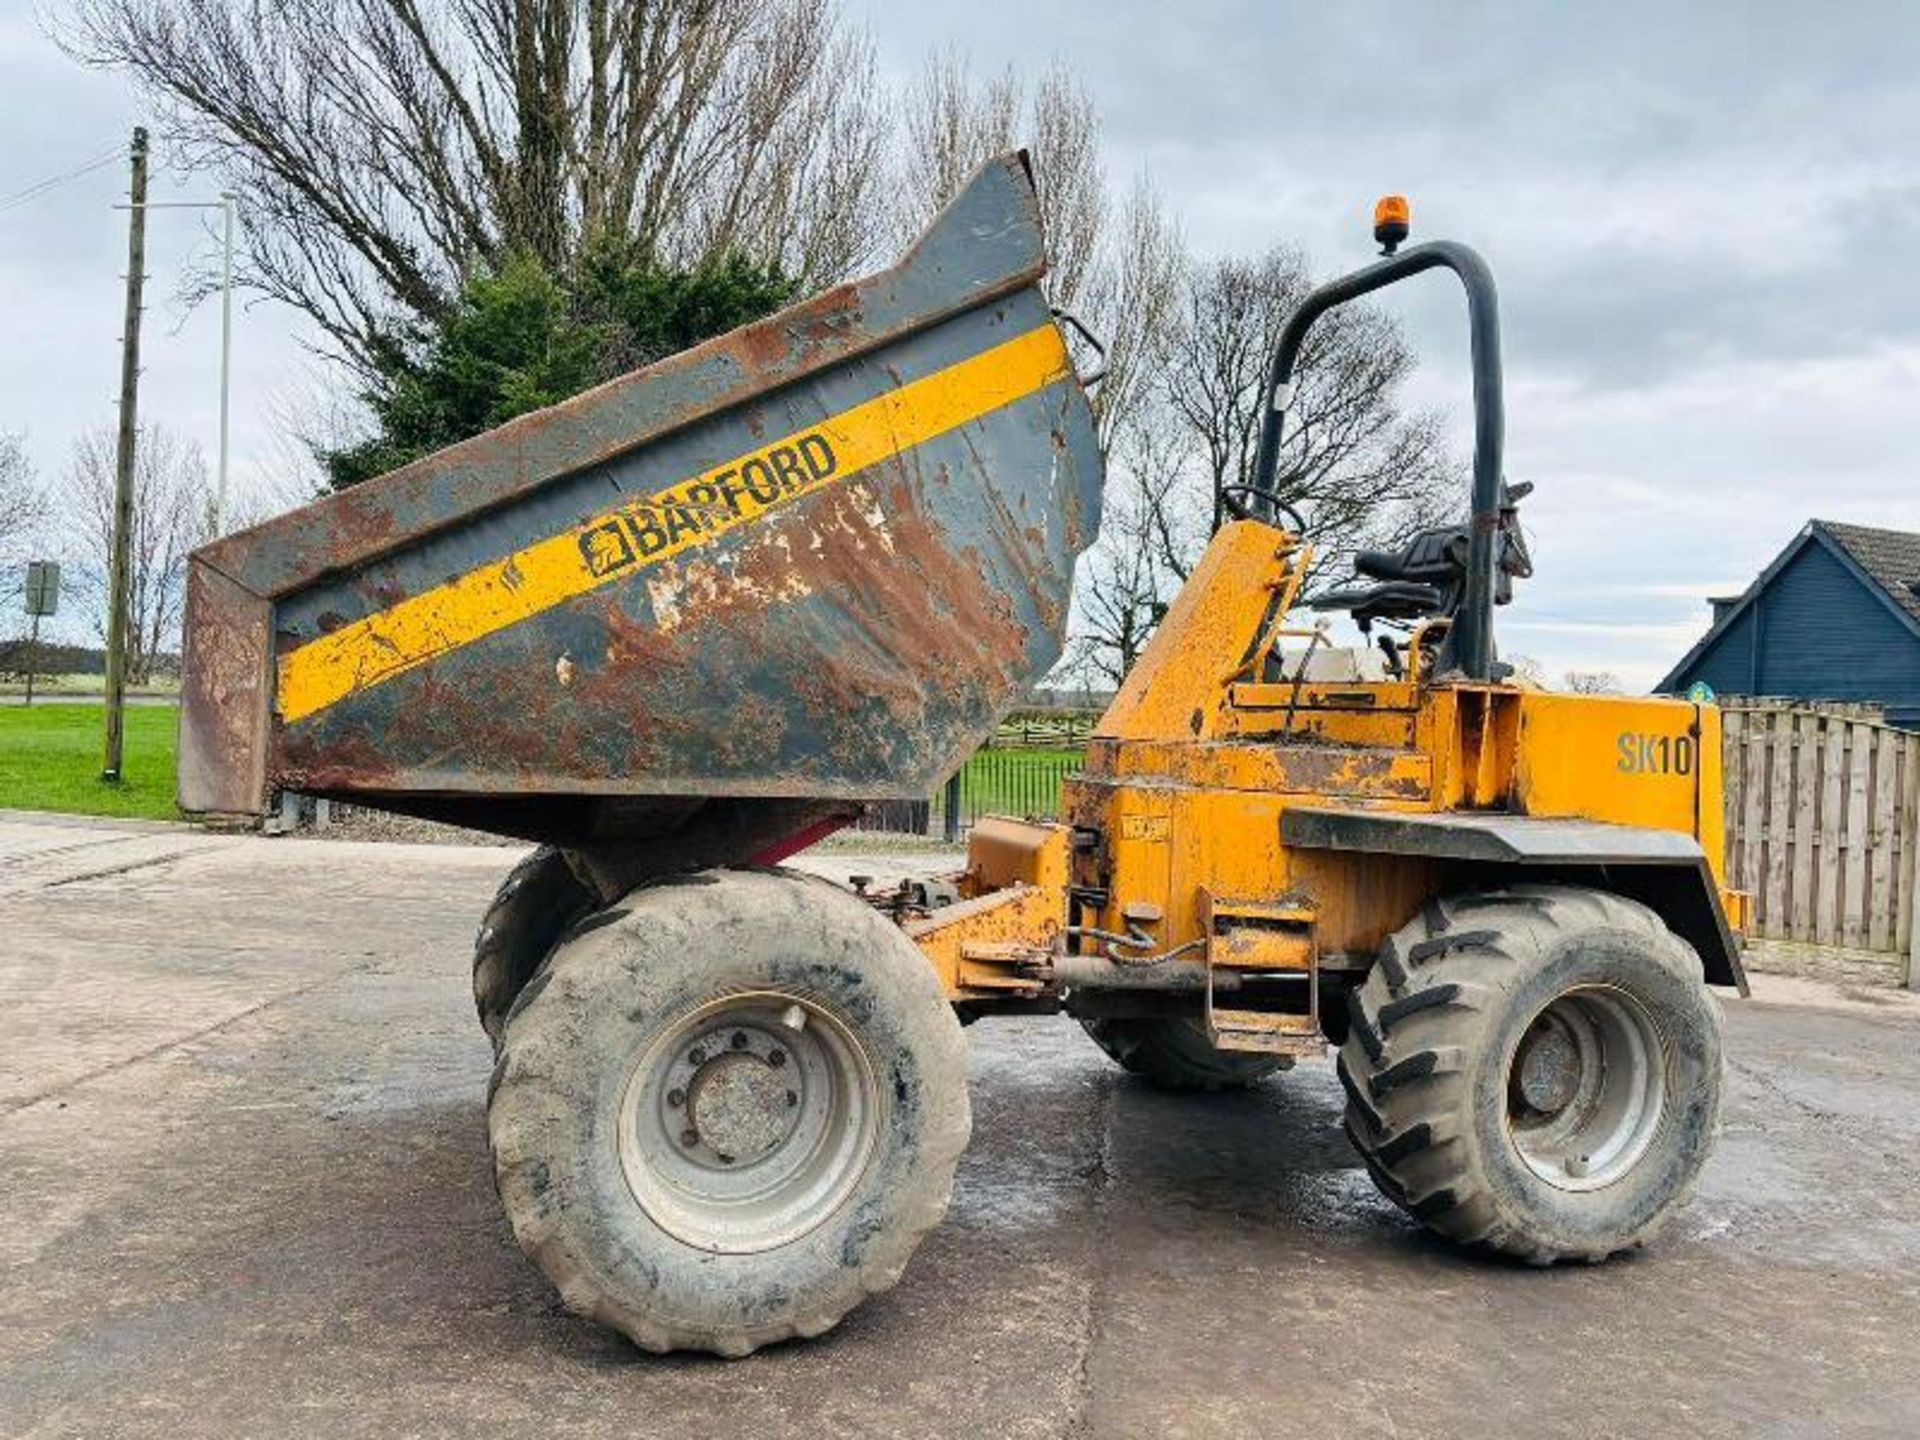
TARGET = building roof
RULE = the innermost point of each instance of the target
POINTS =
(1886, 562)
(1891, 557)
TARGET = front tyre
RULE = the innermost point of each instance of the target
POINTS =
(728, 1111)
(1535, 1069)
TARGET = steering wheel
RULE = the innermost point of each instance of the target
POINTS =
(1241, 511)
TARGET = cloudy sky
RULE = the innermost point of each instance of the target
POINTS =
(1702, 217)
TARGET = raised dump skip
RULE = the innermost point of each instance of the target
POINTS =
(808, 563)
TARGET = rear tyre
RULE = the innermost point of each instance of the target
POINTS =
(1173, 1053)
(537, 903)
(1536, 1070)
(728, 1110)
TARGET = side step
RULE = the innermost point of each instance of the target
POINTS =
(1272, 938)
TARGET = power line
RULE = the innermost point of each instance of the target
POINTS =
(39, 188)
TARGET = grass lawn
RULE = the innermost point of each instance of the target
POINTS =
(50, 760)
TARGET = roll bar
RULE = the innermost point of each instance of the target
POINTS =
(1470, 638)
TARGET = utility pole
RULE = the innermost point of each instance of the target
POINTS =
(117, 575)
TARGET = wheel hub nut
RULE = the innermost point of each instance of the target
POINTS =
(1549, 1072)
(740, 1106)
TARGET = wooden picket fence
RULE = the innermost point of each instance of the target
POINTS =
(1823, 830)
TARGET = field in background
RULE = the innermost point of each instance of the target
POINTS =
(83, 684)
(50, 760)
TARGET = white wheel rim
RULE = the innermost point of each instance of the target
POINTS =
(749, 1122)
(1586, 1088)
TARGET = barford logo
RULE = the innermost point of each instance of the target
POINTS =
(606, 548)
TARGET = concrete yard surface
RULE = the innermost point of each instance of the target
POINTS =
(245, 1187)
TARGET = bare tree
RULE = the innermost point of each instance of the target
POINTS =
(1527, 670)
(387, 146)
(1121, 269)
(1593, 682)
(953, 122)
(1132, 300)
(1362, 469)
(23, 514)
(172, 507)
(1126, 579)
(1188, 346)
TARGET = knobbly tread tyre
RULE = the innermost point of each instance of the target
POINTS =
(1173, 1053)
(1425, 1066)
(537, 903)
(575, 1033)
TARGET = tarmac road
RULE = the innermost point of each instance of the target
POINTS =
(244, 1180)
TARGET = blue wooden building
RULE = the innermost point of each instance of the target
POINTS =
(1836, 616)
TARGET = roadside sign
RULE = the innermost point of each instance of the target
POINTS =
(43, 587)
(43, 598)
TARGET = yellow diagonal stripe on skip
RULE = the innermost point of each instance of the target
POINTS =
(693, 512)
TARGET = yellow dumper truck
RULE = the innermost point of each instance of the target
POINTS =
(681, 627)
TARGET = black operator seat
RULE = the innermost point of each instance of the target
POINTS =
(1427, 575)
(1432, 556)
(1400, 600)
